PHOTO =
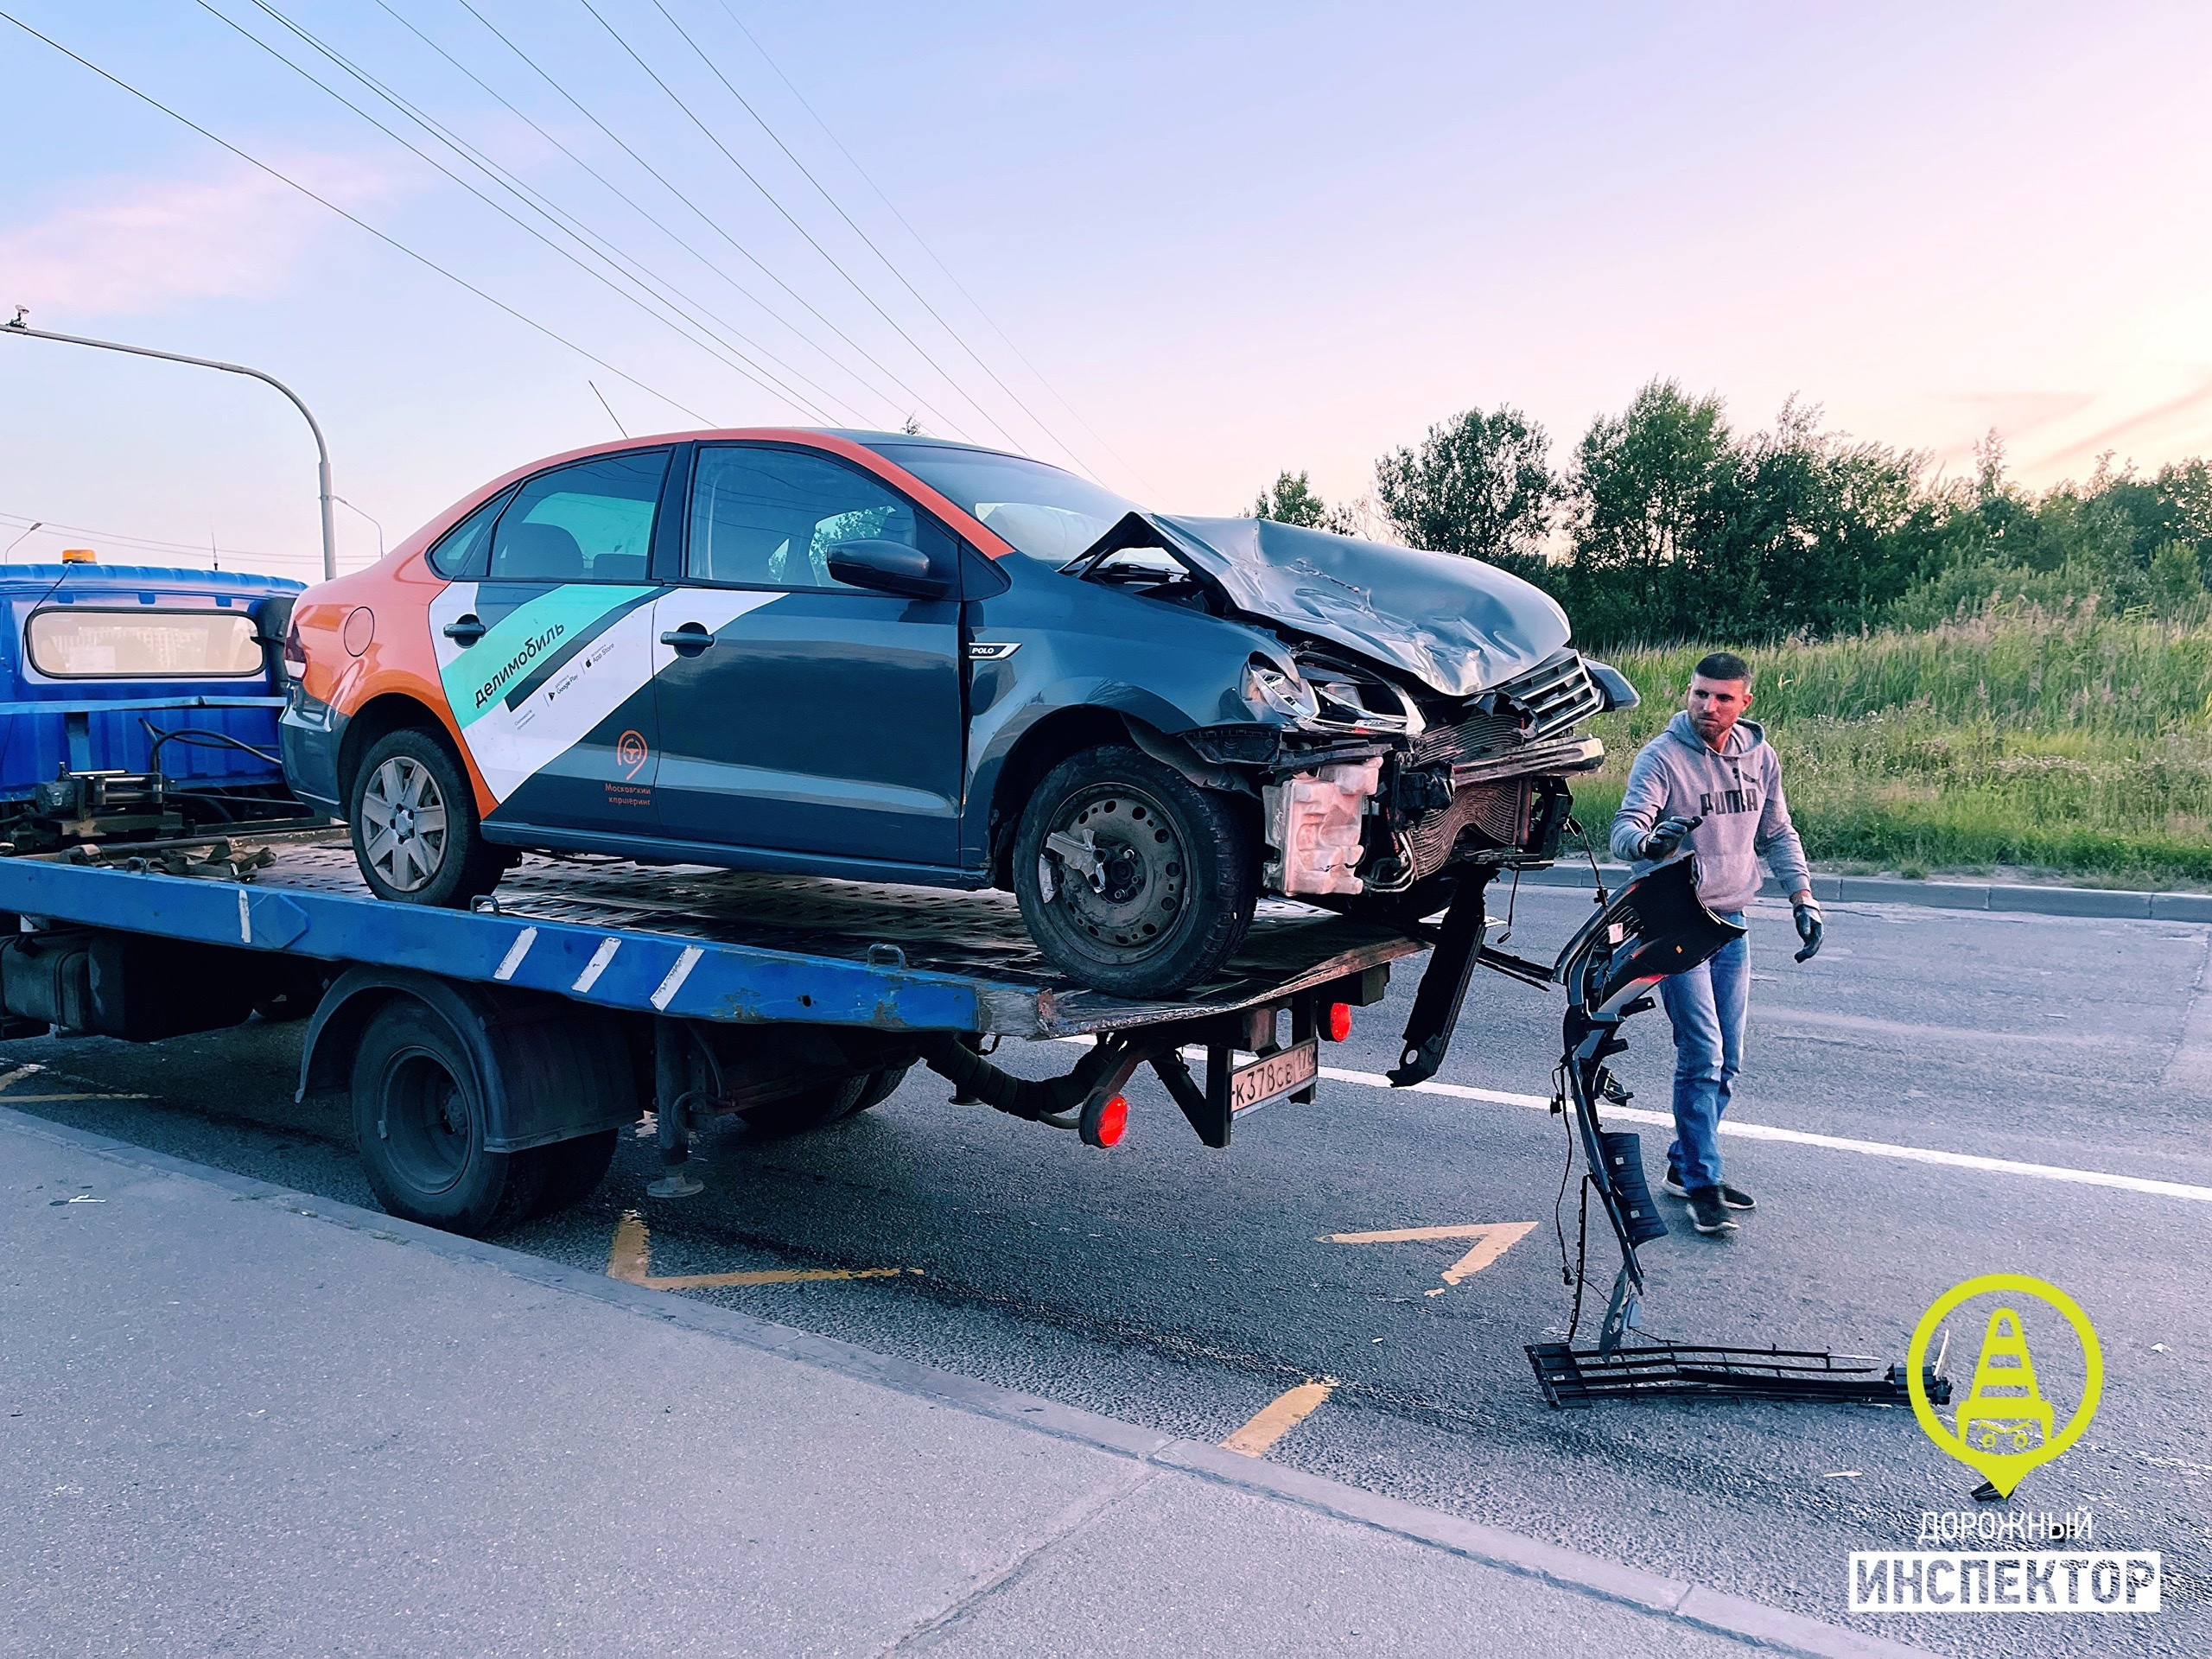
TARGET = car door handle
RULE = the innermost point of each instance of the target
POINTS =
(691, 637)
(466, 629)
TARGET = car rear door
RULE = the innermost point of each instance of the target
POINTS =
(545, 647)
(799, 714)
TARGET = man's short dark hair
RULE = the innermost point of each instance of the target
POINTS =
(1723, 665)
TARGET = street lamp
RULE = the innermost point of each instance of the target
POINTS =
(21, 539)
(322, 449)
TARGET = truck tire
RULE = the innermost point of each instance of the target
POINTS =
(416, 833)
(418, 1114)
(570, 1171)
(810, 1109)
(1172, 881)
(881, 1085)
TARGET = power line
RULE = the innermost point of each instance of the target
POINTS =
(539, 203)
(635, 206)
(532, 230)
(920, 241)
(769, 197)
(882, 258)
(149, 542)
(391, 242)
(706, 218)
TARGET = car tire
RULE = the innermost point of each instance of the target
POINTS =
(419, 1118)
(1170, 893)
(417, 836)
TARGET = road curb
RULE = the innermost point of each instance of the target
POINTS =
(2115, 903)
(1554, 1564)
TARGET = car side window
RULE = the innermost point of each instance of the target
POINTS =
(589, 522)
(768, 517)
(464, 550)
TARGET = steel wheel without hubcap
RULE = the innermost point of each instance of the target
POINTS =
(1133, 880)
(1117, 870)
(427, 1128)
(404, 821)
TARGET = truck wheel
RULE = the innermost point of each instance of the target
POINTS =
(416, 833)
(810, 1109)
(1131, 877)
(881, 1085)
(568, 1172)
(418, 1114)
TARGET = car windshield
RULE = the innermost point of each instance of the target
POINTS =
(1048, 514)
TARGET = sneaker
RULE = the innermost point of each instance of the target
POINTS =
(1706, 1213)
(1734, 1197)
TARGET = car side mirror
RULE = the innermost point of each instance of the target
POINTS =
(888, 567)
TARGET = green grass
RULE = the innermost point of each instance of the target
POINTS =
(2071, 743)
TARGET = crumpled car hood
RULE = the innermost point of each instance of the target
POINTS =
(1456, 624)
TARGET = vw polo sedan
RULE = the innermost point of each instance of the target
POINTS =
(887, 659)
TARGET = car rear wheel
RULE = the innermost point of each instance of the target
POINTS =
(415, 833)
(1131, 877)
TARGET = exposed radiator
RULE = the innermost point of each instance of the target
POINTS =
(1499, 810)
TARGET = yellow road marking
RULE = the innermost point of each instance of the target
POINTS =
(1491, 1240)
(1278, 1416)
(15, 1075)
(630, 1259)
(34, 1099)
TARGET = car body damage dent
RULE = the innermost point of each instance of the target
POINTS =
(1456, 624)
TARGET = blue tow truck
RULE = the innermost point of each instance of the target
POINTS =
(494, 1055)
(158, 878)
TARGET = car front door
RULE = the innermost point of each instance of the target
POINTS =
(799, 715)
(544, 647)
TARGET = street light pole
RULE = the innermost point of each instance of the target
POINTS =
(322, 449)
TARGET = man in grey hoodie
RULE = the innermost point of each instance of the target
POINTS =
(1711, 782)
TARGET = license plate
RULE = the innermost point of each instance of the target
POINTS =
(1273, 1076)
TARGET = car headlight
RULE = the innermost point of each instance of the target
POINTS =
(1271, 691)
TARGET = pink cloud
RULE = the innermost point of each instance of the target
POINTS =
(138, 245)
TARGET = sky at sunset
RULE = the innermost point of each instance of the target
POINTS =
(1182, 247)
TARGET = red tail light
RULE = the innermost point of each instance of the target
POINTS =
(1338, 1025)
(1105, 1125)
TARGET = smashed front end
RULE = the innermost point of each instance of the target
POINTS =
(1422, 714)
(1443, 780)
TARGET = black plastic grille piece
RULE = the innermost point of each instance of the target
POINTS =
(1556, 693)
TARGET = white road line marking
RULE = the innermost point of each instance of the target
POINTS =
(516, 952)
(670, 986)
(1801, 1137)
(596, 966)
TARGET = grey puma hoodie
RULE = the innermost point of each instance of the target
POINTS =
(1738, 788)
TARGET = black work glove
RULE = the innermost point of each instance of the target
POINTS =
(1666, 835)
(1808, 918)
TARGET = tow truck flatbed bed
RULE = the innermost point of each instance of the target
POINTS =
(684, 941)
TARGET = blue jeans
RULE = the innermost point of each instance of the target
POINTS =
(1706, 1006)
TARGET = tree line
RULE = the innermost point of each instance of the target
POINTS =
(1668, 524)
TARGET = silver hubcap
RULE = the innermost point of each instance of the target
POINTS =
(1118, 873)
(403, 825)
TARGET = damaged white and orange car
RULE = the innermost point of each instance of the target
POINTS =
(888, 659)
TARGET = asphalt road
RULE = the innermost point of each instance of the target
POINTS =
(1186, 1290)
